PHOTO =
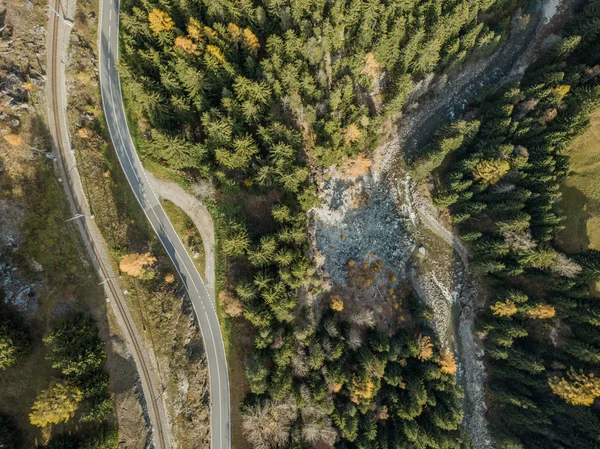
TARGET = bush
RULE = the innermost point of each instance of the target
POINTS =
(14, 337)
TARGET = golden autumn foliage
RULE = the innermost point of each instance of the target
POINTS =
(335, 388)
(169, 278)
(133, 264)
(14, 140)
(447, 362)
(251, 41)
(576, 388)
(187, 45)
(160, 21)
(337, 303)
(216, 53)
(361, 389)
(425, 348)
(55, 405)
(491, 171)
(234, 31)
(504, 308)
(193, 30)
(209, 33)
(351, 133)
(541, 312)
(371, 67)
(561, 91)
(84, 133)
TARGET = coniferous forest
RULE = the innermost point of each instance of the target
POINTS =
(541, 325)
(259, 95)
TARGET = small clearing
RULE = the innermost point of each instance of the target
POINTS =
(580, 201)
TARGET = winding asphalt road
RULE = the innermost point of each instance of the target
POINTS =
(203, 303)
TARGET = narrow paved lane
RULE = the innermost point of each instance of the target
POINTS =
(203, 303)
(57, 43)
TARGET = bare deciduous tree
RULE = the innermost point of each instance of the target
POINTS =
(566, 267)
(268, 425)
(354, 338)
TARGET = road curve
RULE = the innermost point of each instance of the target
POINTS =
(58, 39)
(203, 303)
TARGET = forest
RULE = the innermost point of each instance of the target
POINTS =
(256, 98)
(259, 96)
(541, 323)
(80, 392)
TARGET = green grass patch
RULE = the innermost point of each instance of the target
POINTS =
(580, 202)
(189, 235)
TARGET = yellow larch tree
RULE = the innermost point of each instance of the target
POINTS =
(425, 348)
(560, 91)
(541, 312)
(447, 362)
(351, 133)
(187, 45)
(491, 171)
(361, 389)
(55, 405)
(251, 41)
(337, 303)
(235, 32)
(504, 308)
(193, 30)
(576, 388)
(216, 53)
(160, 21)
(209, 33)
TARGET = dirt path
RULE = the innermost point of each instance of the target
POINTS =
(199, 215)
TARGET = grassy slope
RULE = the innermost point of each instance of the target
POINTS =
(70, 284)
(187, 232)
(581, 192)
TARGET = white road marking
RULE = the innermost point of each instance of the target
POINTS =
(109, 31)
(176, 252)
(110, 14)
(217, 399)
